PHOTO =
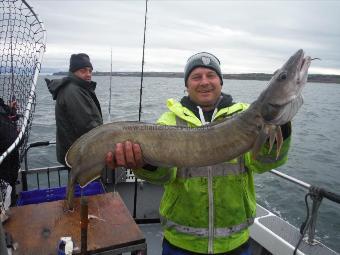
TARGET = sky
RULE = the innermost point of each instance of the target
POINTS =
(247, 36)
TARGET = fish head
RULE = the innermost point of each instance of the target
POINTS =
(282, 99)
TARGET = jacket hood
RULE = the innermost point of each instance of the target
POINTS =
(225, 101)
(55, 85)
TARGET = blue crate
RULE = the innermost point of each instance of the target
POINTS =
(53, 194)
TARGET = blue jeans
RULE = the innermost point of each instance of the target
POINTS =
(169, 249)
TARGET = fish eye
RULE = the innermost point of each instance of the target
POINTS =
(283, 76)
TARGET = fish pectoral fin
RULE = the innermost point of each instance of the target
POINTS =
(272, 133)
(260, 140)
(272, 138)
(275, 135)
(279, 141)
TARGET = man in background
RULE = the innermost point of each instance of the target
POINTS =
(77, 109)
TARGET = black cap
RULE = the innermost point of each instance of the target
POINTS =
(78, 61)
(202, 59)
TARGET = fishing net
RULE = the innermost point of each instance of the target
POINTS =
(22, 45)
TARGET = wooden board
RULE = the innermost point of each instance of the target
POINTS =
(37, 228)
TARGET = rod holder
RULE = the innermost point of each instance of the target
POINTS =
(316, 198)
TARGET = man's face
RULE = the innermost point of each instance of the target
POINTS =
(204, 87)
(84, 73)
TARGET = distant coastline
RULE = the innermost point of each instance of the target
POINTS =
(320, 78)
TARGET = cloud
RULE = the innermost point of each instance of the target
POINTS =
(247, 36)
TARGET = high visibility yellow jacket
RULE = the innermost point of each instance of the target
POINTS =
(209, 209)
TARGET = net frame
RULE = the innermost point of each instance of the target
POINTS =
(22, 46)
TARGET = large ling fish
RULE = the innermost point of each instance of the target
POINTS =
(202, 146)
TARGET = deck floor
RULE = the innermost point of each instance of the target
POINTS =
(154, 235)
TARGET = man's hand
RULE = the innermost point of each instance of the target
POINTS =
(13, 105)
(126, 155)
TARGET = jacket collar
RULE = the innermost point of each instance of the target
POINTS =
(91, 85)
(183, 112)
(188, 111)
(225, 101)
(55, 85)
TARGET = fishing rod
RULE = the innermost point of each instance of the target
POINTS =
(109, 117)
(140, 100)
(142, 74)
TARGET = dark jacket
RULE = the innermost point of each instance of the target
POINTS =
(77, 110)
(8, 133)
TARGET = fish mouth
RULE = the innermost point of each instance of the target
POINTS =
(303, 66)
(299, 66)
(283, 98)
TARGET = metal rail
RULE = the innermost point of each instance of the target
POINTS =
(48, 170)
(316, 194)
(323, 191)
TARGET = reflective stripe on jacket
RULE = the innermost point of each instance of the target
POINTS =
(209, 209)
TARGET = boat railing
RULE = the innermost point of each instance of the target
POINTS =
(315, 193)
(36, 171)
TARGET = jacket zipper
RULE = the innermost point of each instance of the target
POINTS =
(211, 212)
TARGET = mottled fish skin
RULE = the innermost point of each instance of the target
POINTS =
(202, 146)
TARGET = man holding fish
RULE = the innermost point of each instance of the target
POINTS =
(207, 209)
